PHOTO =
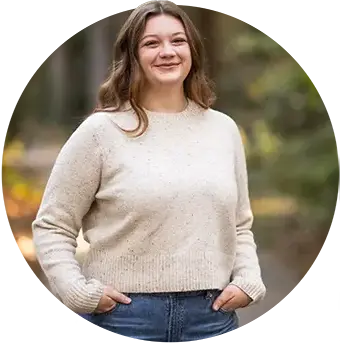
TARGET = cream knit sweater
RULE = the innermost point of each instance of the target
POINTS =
(165, 212)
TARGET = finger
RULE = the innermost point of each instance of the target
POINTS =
(106, 300)
(106, 304)
(224, 296)
(231, 305)
(117, 296)
(110, 304)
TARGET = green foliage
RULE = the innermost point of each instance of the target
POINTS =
(293, 106)
(307, 166)
(313, 175)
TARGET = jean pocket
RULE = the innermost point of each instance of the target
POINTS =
(224, 311)
(97, 314)
(212, 296)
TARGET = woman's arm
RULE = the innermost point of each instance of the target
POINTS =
(246, 272)
(69, 193)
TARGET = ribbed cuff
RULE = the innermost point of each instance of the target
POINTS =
(255, 289)
(84, 297)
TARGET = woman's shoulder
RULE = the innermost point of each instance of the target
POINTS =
(222, 118)
(106, 120)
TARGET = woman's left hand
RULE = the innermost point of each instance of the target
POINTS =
(231, 298)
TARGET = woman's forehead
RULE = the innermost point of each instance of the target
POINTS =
(163, 24)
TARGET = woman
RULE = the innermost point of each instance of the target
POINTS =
(157, 180)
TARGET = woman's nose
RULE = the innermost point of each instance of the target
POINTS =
(167, 50)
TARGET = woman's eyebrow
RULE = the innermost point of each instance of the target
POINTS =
(155, 35)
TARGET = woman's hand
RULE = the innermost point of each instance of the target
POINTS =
(231, 298)
(109, 300)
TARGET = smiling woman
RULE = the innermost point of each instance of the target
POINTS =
(155, 37)
(157, 179)
(164, 56)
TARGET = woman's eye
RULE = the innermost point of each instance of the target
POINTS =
(150, 43)
(179, 40)
(155, 43)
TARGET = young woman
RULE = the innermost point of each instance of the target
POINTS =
(157, 180)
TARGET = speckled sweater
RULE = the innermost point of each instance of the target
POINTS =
(168, 211)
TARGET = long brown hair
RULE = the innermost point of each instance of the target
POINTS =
(125, 79)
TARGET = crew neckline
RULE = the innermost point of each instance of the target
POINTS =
(169, 113)
(192, 109)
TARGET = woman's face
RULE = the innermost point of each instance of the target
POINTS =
(163, 51)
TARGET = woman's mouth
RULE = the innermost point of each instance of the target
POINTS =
(167, 66)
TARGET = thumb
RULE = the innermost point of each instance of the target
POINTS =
(224, 296)
(117, 296)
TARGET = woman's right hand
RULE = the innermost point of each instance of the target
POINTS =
(109, 300)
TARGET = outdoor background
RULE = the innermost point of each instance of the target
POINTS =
(289, 141)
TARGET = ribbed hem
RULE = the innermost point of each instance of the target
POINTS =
(84, 297)
(190, 271)
(254, 288)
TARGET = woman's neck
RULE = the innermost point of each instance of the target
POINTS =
(163, 100)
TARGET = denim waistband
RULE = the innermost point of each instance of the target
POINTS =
(175, 294)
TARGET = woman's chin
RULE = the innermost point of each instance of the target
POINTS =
(169, 80)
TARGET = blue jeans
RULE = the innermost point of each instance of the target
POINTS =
(167, 317)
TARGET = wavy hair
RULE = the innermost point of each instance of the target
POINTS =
(125, 80)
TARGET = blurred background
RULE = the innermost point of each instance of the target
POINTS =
(290, 145)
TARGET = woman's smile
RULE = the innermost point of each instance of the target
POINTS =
(167, 66)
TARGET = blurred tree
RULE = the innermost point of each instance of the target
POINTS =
(98, 59)
(203, 20)
(58, 63)
(295, 111)
(306, 165)
(31, 104)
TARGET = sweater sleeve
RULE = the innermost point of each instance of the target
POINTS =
(68, 195)
(246, 272)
